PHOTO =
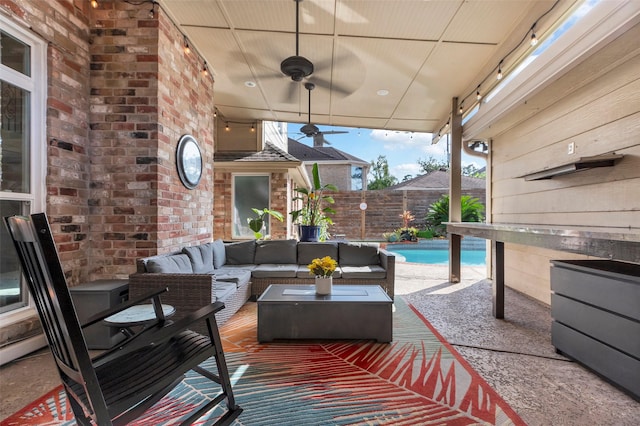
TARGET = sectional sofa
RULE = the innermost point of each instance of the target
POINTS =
(233, 272)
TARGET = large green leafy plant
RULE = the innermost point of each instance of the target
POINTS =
(313, 212)
(257, 223)
(472, 211)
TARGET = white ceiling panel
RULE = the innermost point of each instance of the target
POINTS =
(423, 53)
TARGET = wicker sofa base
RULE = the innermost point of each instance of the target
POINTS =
(188, 292)
(259, 285)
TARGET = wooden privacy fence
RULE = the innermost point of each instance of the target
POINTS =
(383, 210)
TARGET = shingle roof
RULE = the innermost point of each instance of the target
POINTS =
(438, 180)
(270, 153)
(307, 153)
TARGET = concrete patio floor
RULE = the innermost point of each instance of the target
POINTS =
(514, 355)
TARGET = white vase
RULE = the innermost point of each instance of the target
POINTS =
(324, 285)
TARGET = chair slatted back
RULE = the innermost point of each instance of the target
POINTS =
(48, 286)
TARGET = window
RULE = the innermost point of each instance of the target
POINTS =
(249, 191)
(22, 159)
(356, 178)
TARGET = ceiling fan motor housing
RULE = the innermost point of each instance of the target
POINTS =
(296, 67)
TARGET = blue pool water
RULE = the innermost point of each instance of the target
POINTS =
(441, 257)
(436, 252)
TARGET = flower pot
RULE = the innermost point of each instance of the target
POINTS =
(309, 233)
(324, 285)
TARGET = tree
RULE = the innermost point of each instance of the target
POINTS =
(432, 165)
(380, 173)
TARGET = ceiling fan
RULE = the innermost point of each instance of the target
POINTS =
(311, 130)
(298, 67)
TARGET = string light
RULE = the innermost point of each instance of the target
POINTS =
(205, 71)
(227, 128)
(94, 4)
(533, 40)
(215, 113)
(461, 108)
(253, 128)
(187, 49)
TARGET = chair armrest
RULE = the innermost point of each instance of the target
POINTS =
(158, 334)
(121, 307)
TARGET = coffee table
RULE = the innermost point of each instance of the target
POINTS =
(349, 312)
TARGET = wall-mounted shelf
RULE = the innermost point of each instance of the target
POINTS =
(582, 163)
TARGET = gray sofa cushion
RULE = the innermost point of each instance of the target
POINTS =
(270, 270)
(369, 271)
(245, 267)
(201, 258)
(303, 272)
(358, 254)
(309, 251)
(238, 276)
(219, 256)
(174, 264)
(223, 290)
(240, 253)
(276, 251)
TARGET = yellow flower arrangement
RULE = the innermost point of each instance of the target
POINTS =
(322, 267)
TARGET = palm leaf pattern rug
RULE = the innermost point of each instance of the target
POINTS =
(418, 379)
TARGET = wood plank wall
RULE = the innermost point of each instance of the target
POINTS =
(596, 106)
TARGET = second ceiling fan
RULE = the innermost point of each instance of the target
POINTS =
(311, 130)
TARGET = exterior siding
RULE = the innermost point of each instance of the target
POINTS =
(596, 106)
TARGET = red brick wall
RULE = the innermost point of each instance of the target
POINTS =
(115, 111)
(383, 212)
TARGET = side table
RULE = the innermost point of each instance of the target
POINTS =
(137, 316)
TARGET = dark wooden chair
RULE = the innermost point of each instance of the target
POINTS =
(119, 385)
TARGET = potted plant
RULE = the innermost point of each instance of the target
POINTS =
(257, 223)
(312, 216)
(322, 269)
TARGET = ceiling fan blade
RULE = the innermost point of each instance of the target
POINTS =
(333, 132)
(335, 87)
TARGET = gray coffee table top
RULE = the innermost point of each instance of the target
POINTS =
(340, 293)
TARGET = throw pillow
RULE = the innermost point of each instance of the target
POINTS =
(276, 251)
(174, 264)
(240, 253)
(219, 256)
(201, 258)
(358, 254)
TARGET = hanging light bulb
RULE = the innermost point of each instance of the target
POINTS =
(227, 128)
(461, 108)
(187, 49)
(253, 128)
(94, 4)
(499, 76)
(478, 95)
(205, 70)
(215, 113)
(151, 11)
(534, 39)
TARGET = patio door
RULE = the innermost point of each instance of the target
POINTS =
(22, 152)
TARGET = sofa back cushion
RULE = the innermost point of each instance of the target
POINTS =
(240, 253)
(358, 254)
(219, 254)
(309, 251)
(276, 252)
(201, 258)
(174, 264)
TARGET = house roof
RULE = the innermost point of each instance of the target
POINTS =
(308, 153)
(270, 159)
(438, 180)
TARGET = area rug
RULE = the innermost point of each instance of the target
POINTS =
(418, 379)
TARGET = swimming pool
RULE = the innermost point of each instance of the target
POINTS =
(436, 252)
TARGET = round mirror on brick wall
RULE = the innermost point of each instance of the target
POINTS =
(189, 161)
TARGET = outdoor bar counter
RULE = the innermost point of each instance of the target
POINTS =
(605, 242)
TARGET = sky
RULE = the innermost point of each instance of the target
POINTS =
(402, 149)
